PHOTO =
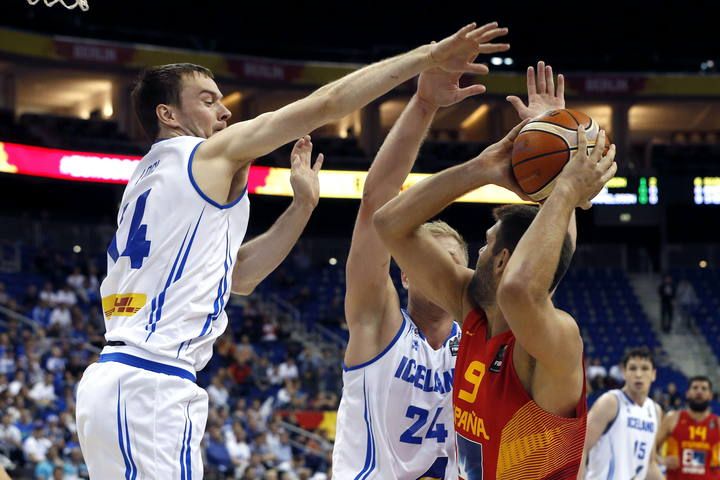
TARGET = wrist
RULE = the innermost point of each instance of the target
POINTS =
(428, 107)
(565, 192)
(303, 205)
(478, 172)
(429, 60)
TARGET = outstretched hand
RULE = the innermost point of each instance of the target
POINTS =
(457, 52)
(304, 177)
(542, 94)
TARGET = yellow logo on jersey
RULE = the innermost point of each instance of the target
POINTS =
(123, 304)
(5, 166)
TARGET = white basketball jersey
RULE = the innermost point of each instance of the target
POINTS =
(625, 448)
(395, 419)
(171, 260)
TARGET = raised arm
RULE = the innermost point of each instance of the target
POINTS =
(370, 298)
(425, 263)
(245, 141)
(602, 413)
(548, 335)
(259, 257)
(543, 96)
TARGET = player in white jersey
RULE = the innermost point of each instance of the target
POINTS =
(623, 426)
(177, 256)
(395, 416)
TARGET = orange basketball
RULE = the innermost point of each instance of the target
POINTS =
(544, 146)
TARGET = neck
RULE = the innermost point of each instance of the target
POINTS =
(496, 321)
(434, 322)
(698, 416)
(637, 397)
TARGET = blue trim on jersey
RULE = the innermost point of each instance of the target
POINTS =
(112, 248)
(133, 473)
(632, 402)
(202, 194)
(379, 355)
(611, 470)
(187, 250)
(188, 463)
(370, 444)
(126, 460)
(182, 451)
(157, 302)
(219, 303)
(612, 422)
(148, 365)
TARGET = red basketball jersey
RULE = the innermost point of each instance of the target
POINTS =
(501, 432)
(696, 444)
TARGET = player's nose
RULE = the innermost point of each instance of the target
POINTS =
(225, 114)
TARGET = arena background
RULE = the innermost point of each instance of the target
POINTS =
(646, 72)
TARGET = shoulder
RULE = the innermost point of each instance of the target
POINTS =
(606, 406)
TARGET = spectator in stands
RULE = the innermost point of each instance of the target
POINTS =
(43, 392)
(76, 279)
(675, 400)
(7, 363)
(10, 438)
(666, 290)
(56, 361)
(269, 330)
(17, 384)
(218, 457)
(41, 313)
(48, 294)
(596, 374)
(66, 296)
(238, 448)
(282, 450)
(687, 302)
(288, 370)
(217, 391)
(36, 446)
(60, 318)
(76, 466)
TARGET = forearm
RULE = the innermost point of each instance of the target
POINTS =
(405, 213)
(531, 268)
(359, 88)
(397, 154)
(263, 254)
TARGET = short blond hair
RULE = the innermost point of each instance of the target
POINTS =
(438, 228)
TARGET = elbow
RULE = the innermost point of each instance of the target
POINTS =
(382, 221)
(243, 290)
(242, 287)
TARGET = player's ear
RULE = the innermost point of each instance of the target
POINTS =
(500, 262)
(166, 116)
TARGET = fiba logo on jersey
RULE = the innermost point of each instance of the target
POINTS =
(454, 346)
(497, 363)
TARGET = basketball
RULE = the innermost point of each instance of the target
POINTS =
(544, 146)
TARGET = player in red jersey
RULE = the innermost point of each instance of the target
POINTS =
(692, 436)
(519, 391)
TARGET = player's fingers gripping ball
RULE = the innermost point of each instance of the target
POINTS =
(545, 145)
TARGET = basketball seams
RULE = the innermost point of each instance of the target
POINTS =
(542, 145)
